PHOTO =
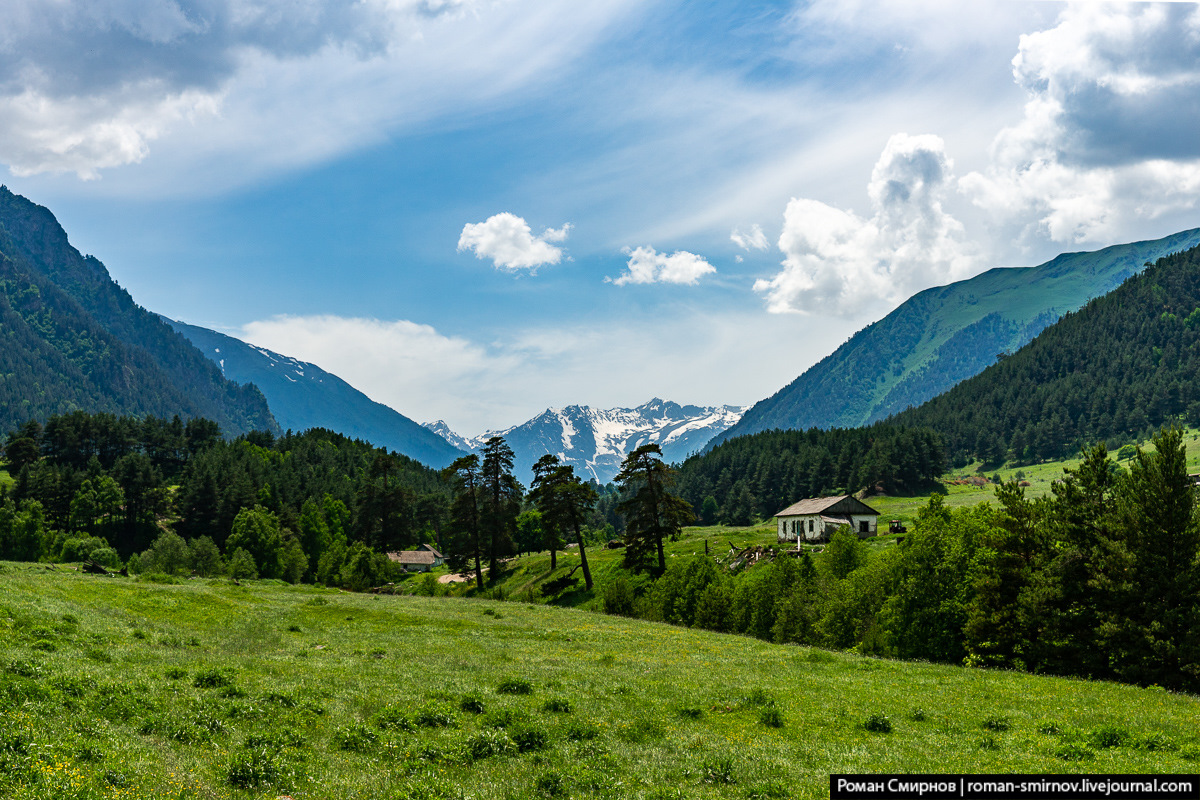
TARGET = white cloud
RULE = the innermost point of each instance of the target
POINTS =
(508, 240)
(754, 240)
(1108, 138)
(646, 265)
(87, 85)
(839, 263)
(426, 374)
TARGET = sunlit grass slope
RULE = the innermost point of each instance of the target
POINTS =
(114, 688)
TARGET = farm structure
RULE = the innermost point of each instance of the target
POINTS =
(815, 519)
(423, 559)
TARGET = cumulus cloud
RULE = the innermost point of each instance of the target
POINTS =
(754, 240)
(646, 265)
(1108, 134)
(837, 262)
(509, 241)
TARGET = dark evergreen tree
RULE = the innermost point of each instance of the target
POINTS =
(652, 512)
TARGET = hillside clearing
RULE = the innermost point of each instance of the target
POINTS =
(119, 688)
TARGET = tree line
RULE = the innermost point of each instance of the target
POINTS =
(756, 476)
(1100, 579)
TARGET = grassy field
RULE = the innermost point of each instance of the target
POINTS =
(115, 688)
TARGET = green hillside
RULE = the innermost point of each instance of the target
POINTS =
(116, 688)
(1122, 366)
(72, 339)
(943, 335)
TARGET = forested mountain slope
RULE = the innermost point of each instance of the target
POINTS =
(71, 338)
(1120, 367)
(943, 335)
(303, 396)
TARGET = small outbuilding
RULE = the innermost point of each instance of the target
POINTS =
(423, 559)
(815, 519)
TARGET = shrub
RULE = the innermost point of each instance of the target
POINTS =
(619, 598)
(529, 738)
(557, 705)
(471, 704)
(503, 718)
(582, 732)
(718, 770)
(551, 785)
(918, 715)
(691, 712)
(771, 716)
(488, 743)
(1109, 736)
(355, 738)
(434, 717)
(515, 686)
(997, 724)
(1157, 742)
(254, 769)
(878, 723)
(1073, 751)
(213, 679)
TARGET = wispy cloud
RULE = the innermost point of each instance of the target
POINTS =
(754, 240)
(509, 241)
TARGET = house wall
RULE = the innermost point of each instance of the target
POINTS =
(820, 529)
(785, 533)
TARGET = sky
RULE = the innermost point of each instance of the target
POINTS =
(473, 210)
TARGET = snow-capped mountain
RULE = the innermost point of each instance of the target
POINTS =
(595, 441)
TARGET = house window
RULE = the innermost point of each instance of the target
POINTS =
(810, 526)
(793, 527)
(863, 527)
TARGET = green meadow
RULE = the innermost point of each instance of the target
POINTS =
(125, 688)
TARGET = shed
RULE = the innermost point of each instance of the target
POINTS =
(815, 519)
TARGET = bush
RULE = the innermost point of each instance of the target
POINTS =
(998, 724)
(471, 704)
(254, 769)
(530, 738)
(771, 716)
(557, 705)
(718, 770)
(242, 566)
(619, 598)
(1109, 736)
(515, 686)
(878, 723)
(355, 738)
(434, 717)
(488, 743)
(168, 554)
(213, 679)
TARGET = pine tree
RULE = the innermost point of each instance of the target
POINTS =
(652, 513)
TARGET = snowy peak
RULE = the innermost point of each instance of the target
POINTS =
(596, 441)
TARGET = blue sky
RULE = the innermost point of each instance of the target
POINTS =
(475, 209)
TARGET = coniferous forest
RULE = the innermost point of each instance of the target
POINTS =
(1116, 370)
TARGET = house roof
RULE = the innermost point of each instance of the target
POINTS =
(838, 504)
(413, 557)
(431, 549)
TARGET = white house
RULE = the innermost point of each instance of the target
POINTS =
(813, 520)
(423, 559)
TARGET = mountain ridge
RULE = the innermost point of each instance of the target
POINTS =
(945, 334)
(302, 395)
(72, 339)
(595, 441)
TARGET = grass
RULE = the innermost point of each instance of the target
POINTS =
(223, 698)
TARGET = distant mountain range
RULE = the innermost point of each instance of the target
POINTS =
(303, 396)
(595, 441)
(72, 339)
(941, 336)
